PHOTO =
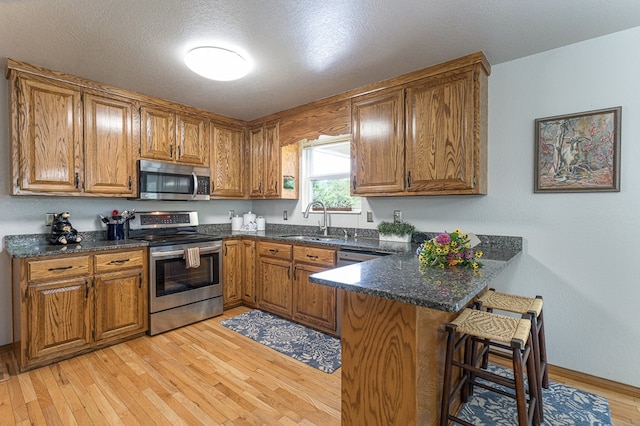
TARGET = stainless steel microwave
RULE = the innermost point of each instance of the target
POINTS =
(168, 181)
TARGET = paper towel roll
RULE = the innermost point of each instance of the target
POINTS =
(236, 223)
(261, 223)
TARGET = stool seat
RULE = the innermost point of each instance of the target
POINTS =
(511, 302)
(496, 327)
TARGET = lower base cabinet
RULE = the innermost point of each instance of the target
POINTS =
(283, 287)
(68, 304)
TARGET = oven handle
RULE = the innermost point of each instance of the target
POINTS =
(178, 253)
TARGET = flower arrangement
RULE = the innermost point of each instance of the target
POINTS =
(449, 249)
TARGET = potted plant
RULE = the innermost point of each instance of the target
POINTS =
(400, 232)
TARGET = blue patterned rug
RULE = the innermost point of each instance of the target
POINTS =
(563, 405)
(312, 347)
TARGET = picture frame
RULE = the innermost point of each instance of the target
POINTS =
(578, 152)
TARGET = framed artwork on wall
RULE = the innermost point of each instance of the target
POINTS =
(578, 152)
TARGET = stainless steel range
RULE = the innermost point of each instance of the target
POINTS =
(185, 269)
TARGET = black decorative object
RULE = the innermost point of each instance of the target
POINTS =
(62, 232)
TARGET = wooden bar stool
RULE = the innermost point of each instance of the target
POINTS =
(501, 332)
(532, 307)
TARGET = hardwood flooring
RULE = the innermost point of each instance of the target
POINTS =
(199, 374)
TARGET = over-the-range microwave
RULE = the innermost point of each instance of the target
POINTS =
(167, 181)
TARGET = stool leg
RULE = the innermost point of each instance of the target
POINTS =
(518, 376)
(533, 379)
(543, 350)
(446, 380)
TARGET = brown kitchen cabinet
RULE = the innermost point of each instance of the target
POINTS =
(274, 278)
(265, 161)
(173, 136)
(314, 305)
(58, 146)
(228, 168)
(424, 137)
(232, 251)
(68, 304)
(249, 272)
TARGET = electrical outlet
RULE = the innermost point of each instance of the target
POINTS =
(369, 216)
(285, 215)
(48, 219)
(397, 215)
(232, 213)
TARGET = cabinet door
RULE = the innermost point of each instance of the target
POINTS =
(232, 270)
(314, 304)
(274, 283)
(227, 161)
(256, 160)
(192, 140)
(440, 136)
(120, 305)
(49, 136)
(249, 272)
(59, 318)
(108, 145)
(377, 147)
(157, 133)
(272, 173)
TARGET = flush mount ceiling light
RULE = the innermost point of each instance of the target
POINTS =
(216, 63)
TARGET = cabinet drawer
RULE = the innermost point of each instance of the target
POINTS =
(313, 255)
(58, 268)
(281, 251)
(118, 260)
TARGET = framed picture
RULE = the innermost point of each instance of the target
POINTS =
(578, 152)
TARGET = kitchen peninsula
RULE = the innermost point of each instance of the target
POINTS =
(392, 335)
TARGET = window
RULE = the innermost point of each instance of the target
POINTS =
(326, 172)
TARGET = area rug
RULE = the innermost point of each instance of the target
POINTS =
(312, 347)
(563, 405)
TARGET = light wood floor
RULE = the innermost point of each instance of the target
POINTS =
(200, 374)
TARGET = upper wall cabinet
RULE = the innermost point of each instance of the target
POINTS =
(424, 137)
(228, 153)
(168, 135)
(64, 135)
(264, 152)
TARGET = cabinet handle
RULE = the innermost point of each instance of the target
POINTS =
(119, 261)
(140, 280)
(179, 152)
(310, 256)
(294, 272)
(354, 183)
(289, 272)
(77, 180)
(170, 150)
(409, 179)
(225, 249)
(130, 183)
(260, 188)
(276, 187)
(60, 268)
(86, 289)
(274, 251)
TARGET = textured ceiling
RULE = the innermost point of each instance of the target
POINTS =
(301, 50)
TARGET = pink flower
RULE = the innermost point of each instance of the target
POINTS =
(443, 238)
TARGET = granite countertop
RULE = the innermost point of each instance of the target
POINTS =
(401, 278)
(34, 245)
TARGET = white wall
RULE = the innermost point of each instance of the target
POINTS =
(579, 248)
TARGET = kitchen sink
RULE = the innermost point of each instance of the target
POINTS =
(310, 238)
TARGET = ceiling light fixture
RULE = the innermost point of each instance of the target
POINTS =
(216, 63)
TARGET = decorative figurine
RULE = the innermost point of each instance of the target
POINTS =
(61, 230)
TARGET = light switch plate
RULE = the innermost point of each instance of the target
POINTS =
(397, 215)
(369, 216)
(232, 213)
(48, 219)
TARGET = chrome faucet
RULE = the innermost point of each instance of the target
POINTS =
(324, 226)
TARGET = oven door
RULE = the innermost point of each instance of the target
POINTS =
(173, 284)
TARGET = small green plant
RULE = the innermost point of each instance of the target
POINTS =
(396, 228)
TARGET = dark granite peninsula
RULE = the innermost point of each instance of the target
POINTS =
(392, 336)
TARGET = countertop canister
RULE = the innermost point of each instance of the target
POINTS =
(249, 217)
(261, 223)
